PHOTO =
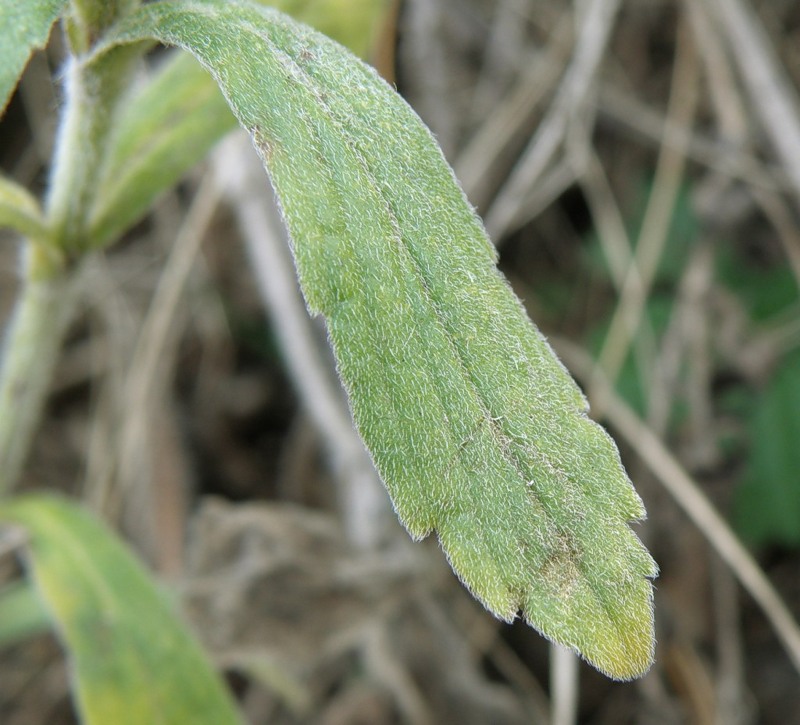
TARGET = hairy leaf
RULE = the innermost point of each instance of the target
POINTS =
(474, 425)
(24, 26)
(134, 660)
(170, 125)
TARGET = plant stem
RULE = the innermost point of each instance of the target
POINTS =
(92, 92)
(33, 340)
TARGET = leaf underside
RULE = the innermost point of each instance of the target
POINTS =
(476, 428)
(133, 659)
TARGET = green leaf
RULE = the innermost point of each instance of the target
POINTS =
(767, 505)
(133, 659)
(177, 117)
(767, 288)
(24, 26)
(474, 425)
(167, 127)
(20, 211)
(21, 613)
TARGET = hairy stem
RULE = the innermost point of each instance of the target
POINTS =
(33, 339)
(92, 94)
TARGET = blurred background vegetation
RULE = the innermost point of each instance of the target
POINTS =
(637, 163)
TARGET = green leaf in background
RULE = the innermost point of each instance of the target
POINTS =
(22, 614)
(133, 660)
(24, 26)
(167, 128)
(767, 505)
(353, 23)
(474, 425)
(767, 288)
(173, 122)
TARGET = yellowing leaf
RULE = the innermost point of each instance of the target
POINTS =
(133, 660)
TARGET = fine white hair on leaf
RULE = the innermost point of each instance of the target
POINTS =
(478, 431)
